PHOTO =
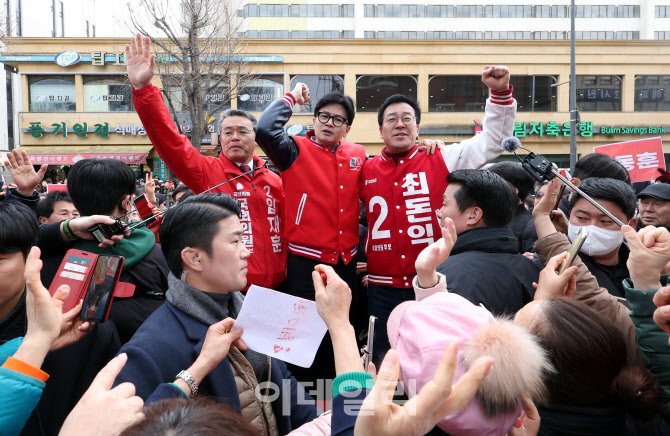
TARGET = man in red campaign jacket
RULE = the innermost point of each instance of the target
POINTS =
(321, 179)
(402, 190)
(260, 192)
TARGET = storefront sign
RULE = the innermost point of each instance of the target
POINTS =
(585, 129)
(67, 58)
(623, 130)
(598, 94)
(551, 128)
(82, 130)
(71, 159)
(98, 58)
(160, 169)
(641, 157)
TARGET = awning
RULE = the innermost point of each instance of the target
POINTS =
(69, 155)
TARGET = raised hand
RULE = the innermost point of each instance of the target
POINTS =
(649, 254)
(662, 313)
(528, 423)
(436, 400)
(300, 93)
(150, 187)
(23, 172)
(496, 78)
(333, 297)
(435, 254)
(103, 410)
(140, 63)
(72, 328)
(80, 226)
(551, 284)
(43, 312)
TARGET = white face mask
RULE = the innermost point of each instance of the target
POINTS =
(599, 241)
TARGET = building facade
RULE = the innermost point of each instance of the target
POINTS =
(455, 19)
(623, 91)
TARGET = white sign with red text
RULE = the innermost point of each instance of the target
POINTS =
(281, 326)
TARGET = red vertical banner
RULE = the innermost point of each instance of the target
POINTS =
(641, 157)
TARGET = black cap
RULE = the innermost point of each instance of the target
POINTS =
(660, 191)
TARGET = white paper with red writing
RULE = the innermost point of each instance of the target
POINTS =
(280, 325)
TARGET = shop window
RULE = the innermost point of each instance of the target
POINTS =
(456, 94)
(318, 87)
(534, 93)
(259, 93)
(52, 94)
(650, 93)
(371, 91)
(599, 93)
(107, 94)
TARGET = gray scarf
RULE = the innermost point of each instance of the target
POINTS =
(210, 308)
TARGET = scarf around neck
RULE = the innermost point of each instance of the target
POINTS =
(210, 308)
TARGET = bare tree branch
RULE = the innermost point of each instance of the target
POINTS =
(199, 51)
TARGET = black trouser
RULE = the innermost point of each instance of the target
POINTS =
(299, 284)
(381, 302)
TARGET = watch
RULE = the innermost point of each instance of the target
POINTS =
(189, 381)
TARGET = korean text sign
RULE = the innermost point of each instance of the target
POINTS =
(640, 157)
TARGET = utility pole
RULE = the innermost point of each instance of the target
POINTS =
(574, 114)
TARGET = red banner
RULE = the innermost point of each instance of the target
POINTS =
(53, 187)
(641, 157)
(71, 159)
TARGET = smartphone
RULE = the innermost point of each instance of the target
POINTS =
(98, 299)
(574, 249)
(372, 323)
(559, 197)
(145, 208)
(73, 271)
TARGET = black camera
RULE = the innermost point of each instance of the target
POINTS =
(538, 166)
(105, 231)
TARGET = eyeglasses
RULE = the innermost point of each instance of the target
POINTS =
(406, 119)
(324, 117)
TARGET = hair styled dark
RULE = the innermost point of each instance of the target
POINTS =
(616, 191)
(98, 186)
(398, 98)
(514, 173)
(600, 165)
(45, 208)
(194, 222)
(182, 416)
(590, 357)
(237, 113)
(19, 228)
(336, 97)
(181, 188)
(488, 191)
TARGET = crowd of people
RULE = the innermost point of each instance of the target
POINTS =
(482, 326)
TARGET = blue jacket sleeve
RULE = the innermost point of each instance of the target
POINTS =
(140, 370)
(345, 408)
(165, 391)
(19, 393)
(303, 407)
